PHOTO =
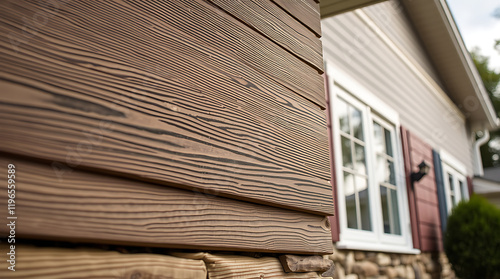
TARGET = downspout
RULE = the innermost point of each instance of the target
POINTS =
(478, 164)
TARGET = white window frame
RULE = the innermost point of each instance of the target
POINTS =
(372, 109)
(458, 171)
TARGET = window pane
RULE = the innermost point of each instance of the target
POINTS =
(385, 209)
(385, 170)
(350, 201)
(360, 165)
(357, 125)
(396, 228)
(388, 142)
(349, 184)
(390, 210)
(392, 174)
(378, 138)
(462, 189)
(364, 203)
(452, 190)
(380, 168)
(343, 116)
(346, 153)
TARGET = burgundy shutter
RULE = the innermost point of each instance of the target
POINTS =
(422, 195)
(334, 220)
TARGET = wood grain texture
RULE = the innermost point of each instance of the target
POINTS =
(55, 263)
(305, 11)
(220, 30)
(221, 266)
(118, 90)
(278, 26)
(87, 207)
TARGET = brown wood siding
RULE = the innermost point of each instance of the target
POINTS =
(274, 23)
(305, 11)
(194, 111)
(422, 195)
(59, 263)
(96, 208)
(166, 94)
(220, 266)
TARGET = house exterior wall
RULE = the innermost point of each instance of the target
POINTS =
(375, 50)
(388, 61)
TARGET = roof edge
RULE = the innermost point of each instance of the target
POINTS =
(469, 66)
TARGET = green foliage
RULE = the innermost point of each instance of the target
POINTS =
(472, 239)
(490, 152)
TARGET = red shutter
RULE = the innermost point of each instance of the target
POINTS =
(422, 195)
(334, 220)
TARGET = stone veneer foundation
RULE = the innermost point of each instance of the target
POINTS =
(354, 264)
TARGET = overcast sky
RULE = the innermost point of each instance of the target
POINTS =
(478, 26)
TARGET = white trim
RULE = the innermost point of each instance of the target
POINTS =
(457, 191)
(453, 162)
(411, 64)
(362, 94)
(356, 245)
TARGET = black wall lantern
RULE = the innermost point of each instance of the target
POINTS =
(423, 169)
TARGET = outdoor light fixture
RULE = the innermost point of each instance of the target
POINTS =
(423, 169)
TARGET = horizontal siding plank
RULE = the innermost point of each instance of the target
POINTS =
(87, 207)
(55, 263)
(426, 194)
(235, 266)
(428, 213)
(305, 11)
(278, 26)
(430, 231)
(222, 31)
(153, 105)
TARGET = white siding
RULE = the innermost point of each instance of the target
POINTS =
(351, 46)
(390, 17)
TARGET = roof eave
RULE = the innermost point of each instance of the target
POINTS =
(485, 117)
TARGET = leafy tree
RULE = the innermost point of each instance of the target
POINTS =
(490, 152)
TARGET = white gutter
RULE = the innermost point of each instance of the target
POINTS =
(478, 164)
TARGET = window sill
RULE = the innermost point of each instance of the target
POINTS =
(376, 247)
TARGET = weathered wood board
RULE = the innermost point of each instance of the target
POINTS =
(58, 263)
(114, 87)
(220, 266)
(305, 11)
(278, 26)
(88, 207)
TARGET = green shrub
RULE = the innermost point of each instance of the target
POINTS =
(472, 239)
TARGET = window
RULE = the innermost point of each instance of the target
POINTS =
(372, 203)
(455, 186)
